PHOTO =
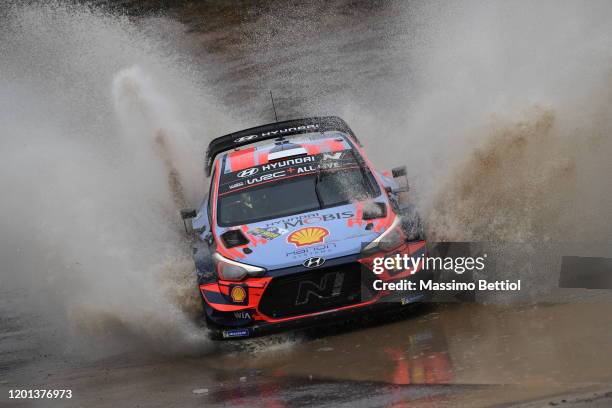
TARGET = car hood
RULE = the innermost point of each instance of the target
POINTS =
(289, 241)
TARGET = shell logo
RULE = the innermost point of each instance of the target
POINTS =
(308, 236)
(238, 294)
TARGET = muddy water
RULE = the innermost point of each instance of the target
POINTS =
(363, 61)
(461, 355)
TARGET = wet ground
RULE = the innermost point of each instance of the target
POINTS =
(321, 59)
(453, 355)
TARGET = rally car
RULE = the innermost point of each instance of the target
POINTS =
(293, 219)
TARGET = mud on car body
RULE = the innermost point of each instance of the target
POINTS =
(293, 219)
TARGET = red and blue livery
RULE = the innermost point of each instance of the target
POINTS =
(294, 216)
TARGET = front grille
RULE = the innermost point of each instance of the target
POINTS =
(314, 291)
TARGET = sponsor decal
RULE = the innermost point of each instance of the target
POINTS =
(248, 172)
(329, 165)
(245, 138)
(305, 169)
(276, 132)
(308, 236)
(314, 262)
(303, 220)
(235, 333)
(288, 162)
(268, 233)
(334, 161)
(311, 251)
(285, 168)
(328, 287)
(333, 156)
(289, 130)
(263, 177)
(242, 314)
(411, 299)
(238, 294)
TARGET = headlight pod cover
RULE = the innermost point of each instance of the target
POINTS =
(388, 240)
(228, 269)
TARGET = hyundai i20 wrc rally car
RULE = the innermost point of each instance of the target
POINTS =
(293, 219)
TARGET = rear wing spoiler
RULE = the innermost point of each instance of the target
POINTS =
(272, 131)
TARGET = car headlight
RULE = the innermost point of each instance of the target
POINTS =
(388, 240)
(228, 269)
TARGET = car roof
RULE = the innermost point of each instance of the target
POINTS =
(265, 151)
(272, 131)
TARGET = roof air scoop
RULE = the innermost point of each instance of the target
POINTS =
(285, 150)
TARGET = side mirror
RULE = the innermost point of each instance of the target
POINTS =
(188, 214)
(398, 172)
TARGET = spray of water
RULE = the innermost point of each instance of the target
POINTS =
(101, 132)
(505, 120)
(504, 123)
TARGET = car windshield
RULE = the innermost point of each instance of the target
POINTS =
(327, 188)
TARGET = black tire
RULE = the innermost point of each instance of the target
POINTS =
(213, 330)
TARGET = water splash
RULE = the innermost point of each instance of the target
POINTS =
(101, 132)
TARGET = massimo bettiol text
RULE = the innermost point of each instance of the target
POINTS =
(458, 265)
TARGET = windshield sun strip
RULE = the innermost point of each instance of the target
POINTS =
(309, 173)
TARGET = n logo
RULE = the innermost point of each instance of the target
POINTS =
(330, 286)
(332, 156)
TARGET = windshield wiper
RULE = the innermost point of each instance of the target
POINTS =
(317, 179)
(367, 180)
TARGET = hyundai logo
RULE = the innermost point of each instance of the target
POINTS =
(246, 138)
(248, 172)
(314, 262)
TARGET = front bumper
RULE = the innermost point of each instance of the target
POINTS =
(324, 318)
(271, 304)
